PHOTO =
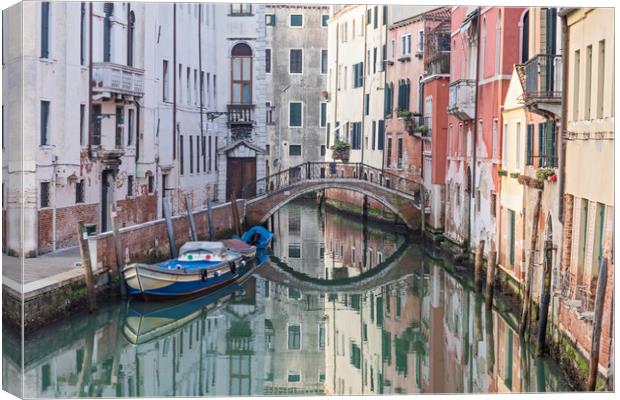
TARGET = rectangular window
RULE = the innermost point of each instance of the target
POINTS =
(495, 139)
(367, 104)
(323, 115)
(588, 94)
(420, 40)
(493, 204)
(374, 60)
(518, 146)
(130, 126)
(108, 10)
(296, 61)
(600, 87)
(191, 154)
(44, 196)
(187, 84)
(323, 61)
(294, 150)
(197, 154)
(511, 239)
(358, 75)
(322, 150)
(294, 377)
(83, 33)
(530, 145)
(376, 19)
(204, 154)
(322, 337)
(96, 117)
(324, 20)
(195, 86)
(202, 87)
(294, 337)
(45, 29)
(165, 87)
(270, 20)
(356, 135)
(45, 111)
(381, 135)
(151, 184)
(118, 138)
(576, 82)
(83, 128)
(399, 160)
(385, 15)
(240, 9)
(210, 152)
(295, 114)
(130, 180)
(505, 145)
(79, 191)
(182, 153)
(268, 113)
(267, 61)
(294, 250)
(297, 21)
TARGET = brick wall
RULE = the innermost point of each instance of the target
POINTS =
(45, 231)
(567, 233)
(137, 210)
(139, 241)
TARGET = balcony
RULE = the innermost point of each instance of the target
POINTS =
(240, 114)
(541, 77)
(118, 79)
(462, 99)
(424, 128)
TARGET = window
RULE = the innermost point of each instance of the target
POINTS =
(204, 154)
(195, 86)
(187, 84)
(356, 135)
(385, 15)
(295, 114)
(130, 37)
(45, 29)
(165, 87)
(405, 48)
(322, 337)
(400, 153)
(239, 9)
(83, 129)
(210, 152)
(267, 61)
(294, 337)
(323, 115)
(373, 134)
(381, 135)
(79, 191)
(294, 222)
(294, 377)
(182, 153)
(296, 61)
(294, 150)
(202, 88)
(118, 138)
(505, 145)
(495, 139)
(322, 150)
(83, 33)
(294, 250)
(511, 238)
(268, 113)
(576, 72)
(393, 49)
(462, 140)
(525, 37)
(44, 196)
(45, 111)
(96, 116)
(366, 103)
(151, 183)
(241, 60)
(323, 61)
(324, 20)
(588, 94)
(374, 60)
(191, 154)
(483, 45)
(421, 40)
(297, 21)
(130, 181)
(383, 58)
(130, 126)
(529, 156)
(493, 204)
(376, 19)
(270, 20)
(368, 16)
(600, 87)
(358, 75)
(403, 94)
(518, 146)
(108, 10)
(389, 99)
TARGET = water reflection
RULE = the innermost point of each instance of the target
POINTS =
(328, 324)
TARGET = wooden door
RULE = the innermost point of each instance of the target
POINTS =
(239, 173)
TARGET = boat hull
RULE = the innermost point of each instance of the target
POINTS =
(153, 281)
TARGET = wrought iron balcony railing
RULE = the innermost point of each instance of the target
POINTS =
(462, 99)
(117, 78)
(542, 78)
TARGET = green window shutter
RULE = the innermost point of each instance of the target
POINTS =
(45, 20)
(530, 145)
(295, 114)
(381, 139)
(541, 141)
(511, 216)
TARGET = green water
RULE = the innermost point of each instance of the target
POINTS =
(338, 310)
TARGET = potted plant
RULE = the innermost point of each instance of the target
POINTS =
(400, 113)
(546, 174)
(502, 172)
(514, 175)
(341, 150)
(421, 128)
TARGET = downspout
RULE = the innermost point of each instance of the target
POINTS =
(201, 83)
(90, 80)
(336, 84)
(174, 92)
(363, 135)
(563, 117)
(475, 132)
(385, 64)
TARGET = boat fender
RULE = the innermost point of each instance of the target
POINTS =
(179, 267)
(203, 275)
(242, 263)
(233, 267)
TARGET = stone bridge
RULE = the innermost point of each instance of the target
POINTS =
(265, 196)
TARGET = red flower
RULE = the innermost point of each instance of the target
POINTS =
(553, 178)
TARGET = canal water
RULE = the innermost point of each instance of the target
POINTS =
(339, 309)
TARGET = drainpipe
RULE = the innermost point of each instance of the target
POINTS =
(201, 77)
(90, 79)
(384, 61)
(363, 136)
(563, 117)
(174, 91)
(475, 131)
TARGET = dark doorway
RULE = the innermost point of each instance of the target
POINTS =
(240, 172)
(107, 193)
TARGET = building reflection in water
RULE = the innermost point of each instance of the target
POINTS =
(411, 328)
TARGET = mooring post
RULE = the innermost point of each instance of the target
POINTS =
(210, 218)
(478, 266)
(120, 263)
(525, 312)
(546, 298)
(190, 218)
(88, 272)
(169, 227)
(235, 214)
(599, 301)
(491, 265)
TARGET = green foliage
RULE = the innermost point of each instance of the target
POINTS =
(340, 150)
(544, 173)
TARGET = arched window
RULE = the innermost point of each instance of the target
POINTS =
(241, 64)
(131, 26)
(483, 45)
(108, 11)
(525, 36)
(498, 44)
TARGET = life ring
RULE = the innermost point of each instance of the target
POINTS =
(203, 275)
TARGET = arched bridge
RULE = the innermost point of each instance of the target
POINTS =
(267, 195)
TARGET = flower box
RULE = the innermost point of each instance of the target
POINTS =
(502, 172)
(514, 175)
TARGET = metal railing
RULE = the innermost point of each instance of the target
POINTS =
(329, 171)
(462, 98)
(427, 124)
(543, 77)
(118, 78)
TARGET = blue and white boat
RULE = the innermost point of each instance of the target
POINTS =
(201, 266)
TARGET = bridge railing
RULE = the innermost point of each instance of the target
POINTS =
(330, 171)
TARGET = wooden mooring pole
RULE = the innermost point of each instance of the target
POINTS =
(545, 300)
(491, 265)
(478, 266)
(190, 217)
(235, 214)
(120, 262)
(210, 219)
(169, 227)
(601, 285)
(525, 312)
(88, 272)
